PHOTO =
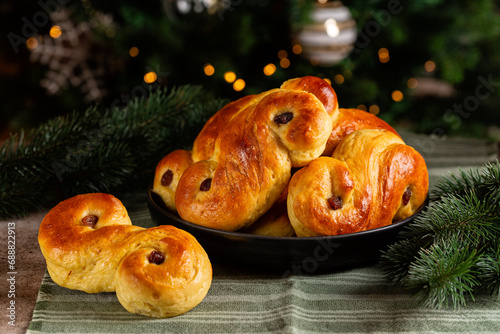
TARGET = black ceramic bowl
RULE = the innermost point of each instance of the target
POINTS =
(304, 255)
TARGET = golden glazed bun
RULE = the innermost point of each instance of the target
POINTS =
(204, 144)
(275, 222)
(89, 244)
(252, 159)
(172, 166)
(371, 180)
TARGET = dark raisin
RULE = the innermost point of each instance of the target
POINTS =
(167, 178)
(205, 185)
(90, 220)
(335, 202)
(283, 118)
(406, 196)
(156, 257)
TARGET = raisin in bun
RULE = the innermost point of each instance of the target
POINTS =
(89, 244)
(371, 180)
(167, 174)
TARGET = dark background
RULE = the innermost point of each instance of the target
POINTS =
(94, 65)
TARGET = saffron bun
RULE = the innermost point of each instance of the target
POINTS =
(372, 180)
(227, 124)
(252, 159)
(275, 222)
(90, 244)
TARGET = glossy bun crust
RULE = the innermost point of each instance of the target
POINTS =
(372, 180)
(243, 156)
(252, 160)
(89, 244)
(275, 222)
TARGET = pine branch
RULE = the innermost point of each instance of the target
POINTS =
(443, 278)
(452, 250)
(489, 271)
(99, 149)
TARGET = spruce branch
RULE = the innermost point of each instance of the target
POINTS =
(106, 150)
(451, 252)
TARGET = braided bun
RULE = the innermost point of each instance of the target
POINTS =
(372, 180)
(252, 159)
(234, 118)
(89, 244)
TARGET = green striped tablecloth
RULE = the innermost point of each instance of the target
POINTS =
(248, 301)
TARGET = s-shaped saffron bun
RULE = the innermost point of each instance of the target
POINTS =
(90, 244)
(207, 145)
(372, 180)
(252, 159)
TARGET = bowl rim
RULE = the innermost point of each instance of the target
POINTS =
(339, 237)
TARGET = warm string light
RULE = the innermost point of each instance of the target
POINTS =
(282, 54)
(230, 76)
(397, 96)
(374, 109)
(150, 77)
(31, 43)
(239, 84)
(412, 83)
(297, 49)
(285, 63)
(339, 79)
(383, 55)
(208, 69)
(55, 32)
(269, 69)
(133, 52)
(429, 66)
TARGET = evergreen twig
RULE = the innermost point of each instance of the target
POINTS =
(451, 252)
(99, 149)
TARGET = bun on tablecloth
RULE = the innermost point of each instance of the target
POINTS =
(371, 180)
(90, 244)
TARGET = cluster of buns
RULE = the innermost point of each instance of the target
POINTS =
(290, 162)
(90, 244)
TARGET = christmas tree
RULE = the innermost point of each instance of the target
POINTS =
(432, 65)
